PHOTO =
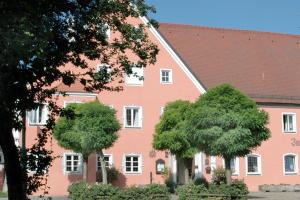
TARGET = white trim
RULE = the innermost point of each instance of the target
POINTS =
(259, 165)
(140, 164)
(43, 114)
(80, 162)
(110, 160)
(71, 101)
(141, 82)
(213, 163)
(170, 76)
(296, 164)
(174, 56)
(294, 123)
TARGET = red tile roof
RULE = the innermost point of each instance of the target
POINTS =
(266, 66)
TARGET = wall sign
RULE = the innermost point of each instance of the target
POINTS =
(295, 142)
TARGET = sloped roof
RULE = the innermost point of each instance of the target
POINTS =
(266, 66)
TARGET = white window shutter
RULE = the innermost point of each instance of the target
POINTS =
(124, 164)
(124, 116)
(64, 163)
(141, 164)
(141, 116)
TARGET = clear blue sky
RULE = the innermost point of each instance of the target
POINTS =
(281, 16)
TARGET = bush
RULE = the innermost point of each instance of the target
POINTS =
(152, 191)
(102, 192)
(201, 181)
(78, 191)
(219, 176)
(236, 190)
(190, 191)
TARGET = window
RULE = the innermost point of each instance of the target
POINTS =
(166, 76)
(107, 159)
(133, 117)
(213, 162)
(162, 110)
(290, 164)
(105, 72)
(136, 78)
(72, 163)
(253, 164)
(132, 164)
(289, 122)
(235, 166)
(66, 103)
(38, 116)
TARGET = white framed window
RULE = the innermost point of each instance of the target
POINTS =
(213, 163)
(132, 164)
(234, 166)
(166, 76)
(66, 103)
(136, 78)
(289, 122)
(107, 159)
(290, 163)
(133, 116)
(16, 134)
(253, 164)
(72, 163)
(39, 115)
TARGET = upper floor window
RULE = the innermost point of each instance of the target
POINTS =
(72, 163)
(289, 122)
(107, 160)
(253, 164)
(38, 116)
(166, 76)
(136, 78)
(133, 116)
(133, 164)
(290, 164)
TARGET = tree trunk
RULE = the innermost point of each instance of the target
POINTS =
(15, 177)
(85, 168)
(103, 167)
(228, 171)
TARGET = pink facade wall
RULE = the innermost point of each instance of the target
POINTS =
(151, 97)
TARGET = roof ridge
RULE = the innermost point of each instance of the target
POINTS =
(229, 29)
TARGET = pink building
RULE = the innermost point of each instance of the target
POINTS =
(266, 66)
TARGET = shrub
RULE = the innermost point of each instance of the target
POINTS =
(171, 185)
(201, 181)
(102, 192)
(78, 191)
(236, 190)
(152, 191)
(219, 176)
(190, 191)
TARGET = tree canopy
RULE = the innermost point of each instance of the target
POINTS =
(227, 123)
(170, 133)
(87, 128)
(37, 39)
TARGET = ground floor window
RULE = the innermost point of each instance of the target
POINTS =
(132, 163)
(107, 159)
(72, 163)
(253, 164)
(290, 164)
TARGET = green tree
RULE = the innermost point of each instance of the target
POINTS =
(227, 123)
(87, 128)
(37, 38)
(170, 133)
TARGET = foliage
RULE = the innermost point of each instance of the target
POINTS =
(227, 123)
(87, 127)
(237, 190)
(219, 176)
(101, 191)
(170, 133)
(190, 191)
(201, 181)
(42, 36)
(78, 191)
(171, 185)
(112, 175)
